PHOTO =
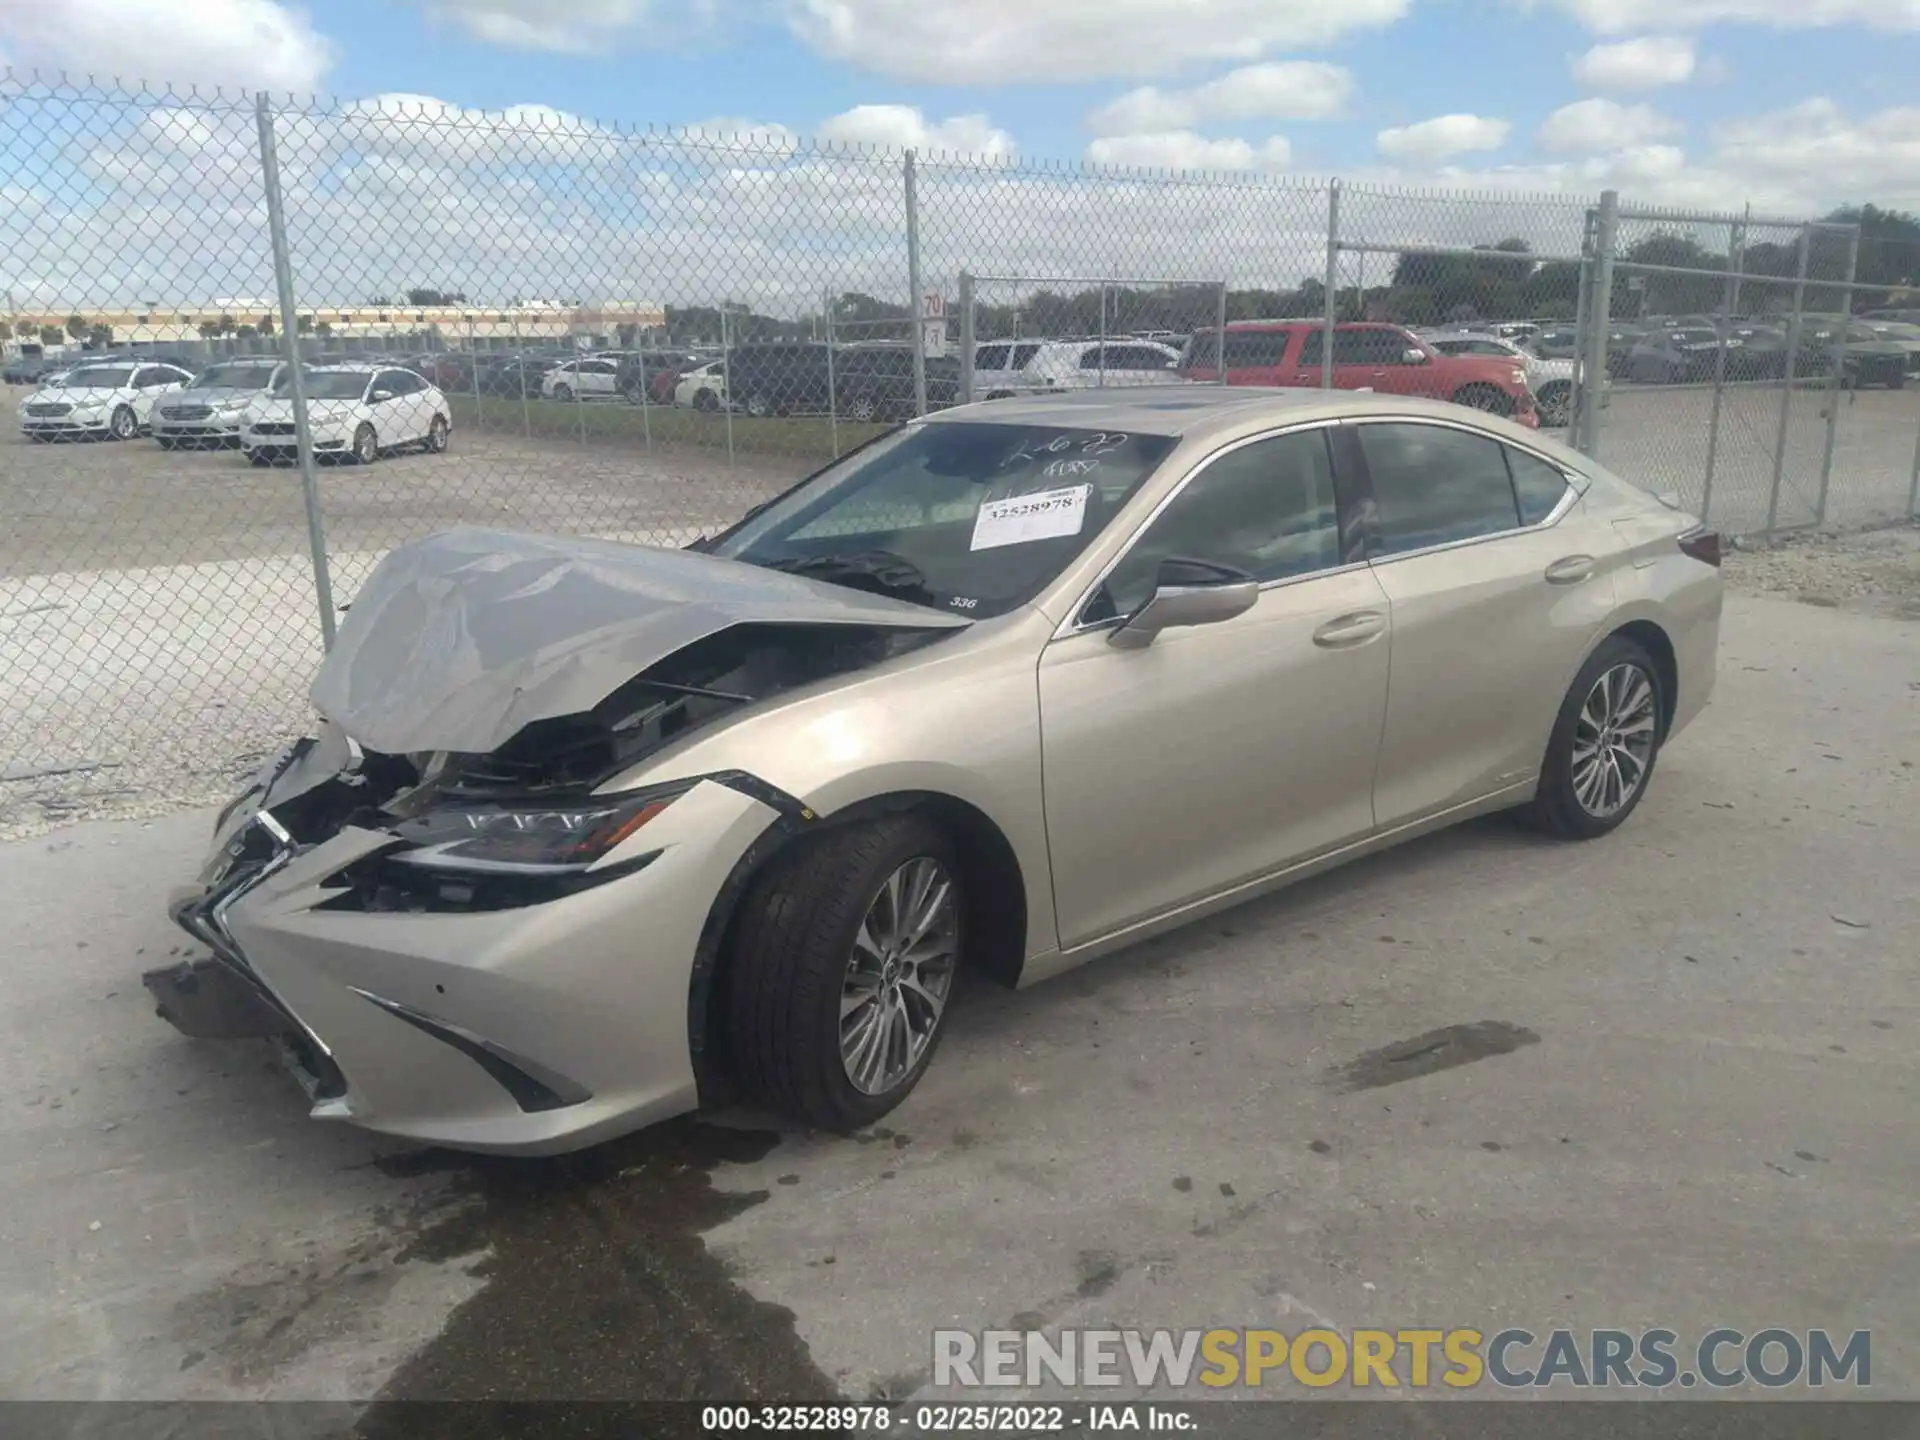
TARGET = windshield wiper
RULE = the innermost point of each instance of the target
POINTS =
(879, 571)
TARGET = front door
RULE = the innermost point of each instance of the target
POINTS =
(1218, 753)
(1498, 587)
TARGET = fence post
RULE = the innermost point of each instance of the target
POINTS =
(833, 393)
(1583, 386)
(1913, 483)
(1792, 373)
(913, 285)
(726, 375)
(296, 383)
(966, 338)
(1220, 334)
(1729, 305)
(1102, 383)
(1834, 378)
(1332, 281)
(1606, 234)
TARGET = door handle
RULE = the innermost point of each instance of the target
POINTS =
(1354, 629)
(1570, 570)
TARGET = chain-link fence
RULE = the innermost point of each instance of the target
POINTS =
(529, 321)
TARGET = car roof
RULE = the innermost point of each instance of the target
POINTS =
(1190, 410)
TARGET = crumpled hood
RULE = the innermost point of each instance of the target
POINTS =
(458, 641)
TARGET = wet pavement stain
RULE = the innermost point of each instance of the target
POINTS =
(1431, 1053)
(599, 1286)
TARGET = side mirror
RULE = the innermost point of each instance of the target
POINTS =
(377, 396)
(1188, 592)
(1413, 356)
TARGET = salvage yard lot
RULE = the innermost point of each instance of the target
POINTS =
(1717, 1123)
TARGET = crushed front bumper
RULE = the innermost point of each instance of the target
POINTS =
(528, 1030)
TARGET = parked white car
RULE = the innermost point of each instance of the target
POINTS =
(213, 408)
(1550, 380)
(113, 400)
(702, 388)
(592, 377)
(356, 412)
(1037, 367)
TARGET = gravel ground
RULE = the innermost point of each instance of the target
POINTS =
(1711, 1122)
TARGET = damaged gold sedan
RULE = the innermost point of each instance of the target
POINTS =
(591, 834)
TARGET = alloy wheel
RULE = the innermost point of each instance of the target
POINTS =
(1613, 740)
(895, 988)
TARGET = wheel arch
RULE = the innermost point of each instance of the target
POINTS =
(996, 895)
(1656, 642)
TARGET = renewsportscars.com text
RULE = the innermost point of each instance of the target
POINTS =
(1459, 1359)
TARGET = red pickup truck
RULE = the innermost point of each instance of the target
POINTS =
(1366, 356)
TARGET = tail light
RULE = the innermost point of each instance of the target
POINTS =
(1703, 545)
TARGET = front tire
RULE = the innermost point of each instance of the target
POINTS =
(166, 443)
(437, 433)
(706, 400)
(862, 409)
(123, 425)
(366, 446)
(842, 968)
(1605, 742)
(759, 406)
(1556, 403)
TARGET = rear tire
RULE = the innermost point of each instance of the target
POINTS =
(167, 444)
(706, 400)
(1607, 725)
(563, 393)
(259, 458)
(797, 961)
(759, 406)
(1556, 403)
(862, 409)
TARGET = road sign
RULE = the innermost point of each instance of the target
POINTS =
(933, 325)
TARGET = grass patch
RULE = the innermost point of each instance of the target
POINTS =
(615, 422)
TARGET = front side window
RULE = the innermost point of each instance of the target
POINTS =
(974, 518)
(1433, 485)
(1266, 508)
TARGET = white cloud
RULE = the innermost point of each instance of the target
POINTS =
(1625, 17)
(903, 127)
(568, 27)
(1280, 90)
(1588, 127)
(998, 41)
(1444, 135)
(1644, 63)
(205, 42)
(1184, 150)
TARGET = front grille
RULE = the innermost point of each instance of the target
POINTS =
(187, 412)
(48, 409)
(273, 427)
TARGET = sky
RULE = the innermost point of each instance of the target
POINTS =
(1790, 106)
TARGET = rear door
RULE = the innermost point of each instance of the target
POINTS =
(1498, 584)
(1258, 357)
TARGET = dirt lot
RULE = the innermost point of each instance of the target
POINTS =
(1716, 1125)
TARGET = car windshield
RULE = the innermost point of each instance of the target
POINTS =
(975, 518)
(233, 377)
(329, 384)
(99, 377)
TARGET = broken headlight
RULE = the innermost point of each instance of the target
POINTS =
(551, 838)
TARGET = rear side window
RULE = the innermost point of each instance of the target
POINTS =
(1006, 356)
(1246, 348)
(1537, 485)
(1433, 485)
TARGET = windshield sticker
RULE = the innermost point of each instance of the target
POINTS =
(1022, 519)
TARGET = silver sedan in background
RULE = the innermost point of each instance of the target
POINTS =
(590, 834)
